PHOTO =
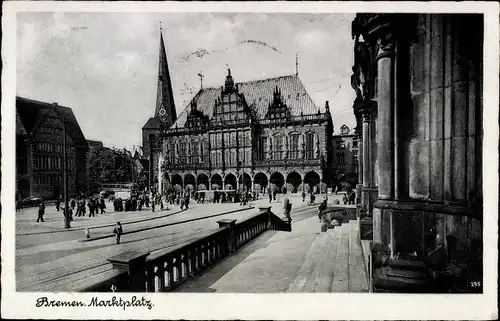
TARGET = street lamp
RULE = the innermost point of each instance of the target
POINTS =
(67, 223)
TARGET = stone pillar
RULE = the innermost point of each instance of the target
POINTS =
(160, 174)
(253, 188)
(385, 118)
(366, 148)
(210, 183)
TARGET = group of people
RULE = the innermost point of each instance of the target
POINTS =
(131, 204)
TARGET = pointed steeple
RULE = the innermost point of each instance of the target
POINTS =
(165, 106)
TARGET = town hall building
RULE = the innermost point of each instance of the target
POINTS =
(253, 135)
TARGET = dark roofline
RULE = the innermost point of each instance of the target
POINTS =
(249, 81)
(38, 102)
(60, 110)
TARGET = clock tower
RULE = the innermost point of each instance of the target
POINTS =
(165, 115)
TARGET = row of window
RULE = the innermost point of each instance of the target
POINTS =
(276, 145)
(50, 130)
(231, 158)
(219, 109)
(48, 147)
(51, 163)
(230, 139)
(46, 180)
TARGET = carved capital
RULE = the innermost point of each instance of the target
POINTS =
(385, 43)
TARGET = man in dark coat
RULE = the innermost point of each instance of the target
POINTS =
(41, 211)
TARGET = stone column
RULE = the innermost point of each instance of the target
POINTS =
(160, 174)
(366, 147)
(385, 119)
(210, 183)
(252, 184)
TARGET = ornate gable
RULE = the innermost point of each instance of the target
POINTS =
(277, 109)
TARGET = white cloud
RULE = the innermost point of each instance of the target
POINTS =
(104, 65)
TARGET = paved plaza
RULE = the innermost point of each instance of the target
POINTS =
(47, 251)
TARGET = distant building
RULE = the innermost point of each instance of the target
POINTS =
(39, 149)
(345, 156)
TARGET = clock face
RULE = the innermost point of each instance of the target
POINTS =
(162, 112)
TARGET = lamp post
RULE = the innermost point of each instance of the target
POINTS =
(65, 179)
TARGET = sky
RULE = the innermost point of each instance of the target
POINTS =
(105, 65)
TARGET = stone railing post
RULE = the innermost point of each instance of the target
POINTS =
(231, 242)
(267, 210)
(134, 263)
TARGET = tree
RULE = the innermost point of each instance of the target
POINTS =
(107, 165)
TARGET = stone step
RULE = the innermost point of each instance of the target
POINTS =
(325, 274)
(357, 272)
(318, 259)
(307, 268)
(340, 281)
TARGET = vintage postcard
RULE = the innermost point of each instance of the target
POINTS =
(246, 160)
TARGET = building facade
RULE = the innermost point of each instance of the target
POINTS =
(345, 156)
(418, 80)
(256, 134)
(40, 129)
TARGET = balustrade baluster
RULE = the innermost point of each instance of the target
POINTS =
(150, 278)
(192, 267)
(161, 276)
(170, 270)
(199, 264)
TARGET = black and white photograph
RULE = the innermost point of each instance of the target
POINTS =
(214, 149)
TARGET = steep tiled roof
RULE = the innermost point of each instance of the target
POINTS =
(29, 109)
(258, 94)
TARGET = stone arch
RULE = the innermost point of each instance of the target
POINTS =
(177, 179)
(189, 181)
(245, 180)
(312, 178)
(230, 179)
(294, 180)
(278, 179)
(202, 181)
(216, 181)
(261, 180)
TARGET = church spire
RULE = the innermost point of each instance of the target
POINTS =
(165, 106)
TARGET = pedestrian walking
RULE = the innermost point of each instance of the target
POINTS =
(18, 206)
(270, 196)
(102, 205)
(303, 196)
(153, 206)
(118, 231)
(58, 205)
(72, 204)
(41, 211)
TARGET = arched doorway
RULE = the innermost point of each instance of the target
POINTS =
(245, 181)
(277, 180)
(202, 182)
(189, 182)
(293, 181)
(177, 180)
(312, 178)
(230, 181)
(216, 181)
(260, 182)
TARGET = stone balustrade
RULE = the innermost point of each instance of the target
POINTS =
(163, 271)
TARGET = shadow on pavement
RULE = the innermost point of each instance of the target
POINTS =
(203, 281)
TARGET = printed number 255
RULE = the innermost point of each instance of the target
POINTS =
(475, 284)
